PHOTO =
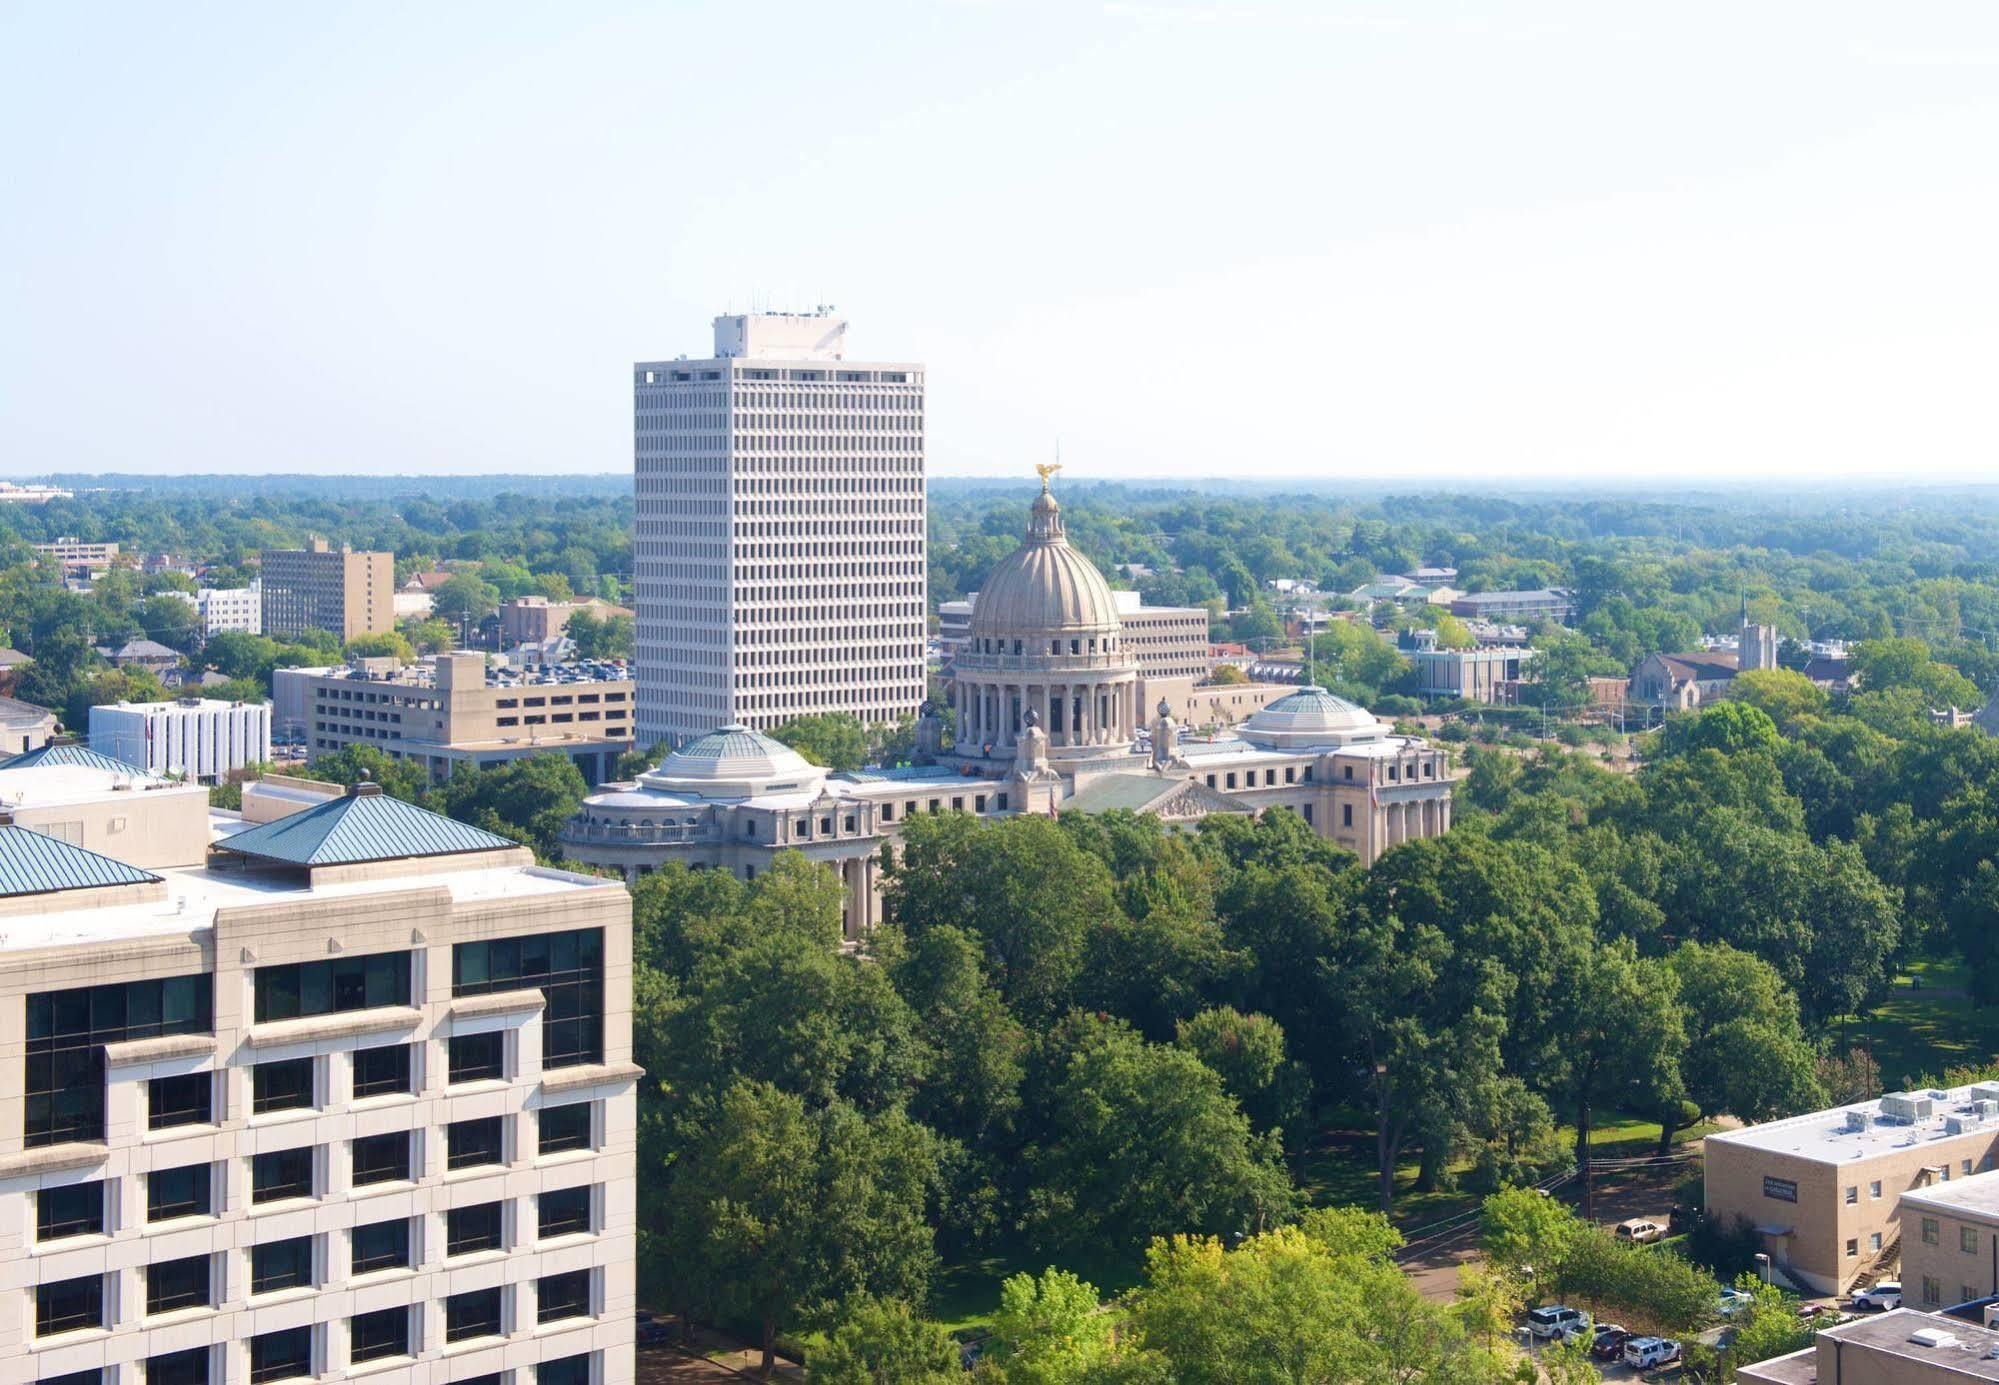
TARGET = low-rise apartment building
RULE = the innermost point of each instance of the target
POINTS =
(199, 738)
(457, 709)
(1902, 1347)
(320, 587)
(347, 1093)
(1824, 1191)
(1950, 1242)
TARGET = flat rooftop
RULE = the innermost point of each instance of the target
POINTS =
(1977, 1195)
(50, 786)
(1833, 1137)
(1971, 1351)
(424, 675)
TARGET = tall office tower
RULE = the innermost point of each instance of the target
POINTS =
(781, 548)
(320, 587)
(342, 1091)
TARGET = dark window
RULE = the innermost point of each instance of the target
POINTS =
(1346, 815)
(469, 1144)
(383, 1246)
(285, 1086)
(281, 1265)
(188, 1367)
(67, 1032)
(285, 1355)
(562, 1296)
(475, 1057)
(371, 1336)
(565, 1213)
(68, 1305)
(565, 1127)
(568, 969)
(181, 1192)
(281, 1174)
(95, 1376)
(476, 1314)
(493, 1379)
(570, 1370)
(74, 1210)
(302, 989)
(381, 1159)
(380, 1071)
(175, 1284)
(471, 1229)
(184, 1100)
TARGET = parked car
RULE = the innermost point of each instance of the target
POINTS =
(1558, 1323)
(1640, 1231)
(1681, 1218)
(1643, 1353)
(1885, 1295)
(1731, 1302)
(1608, 1344)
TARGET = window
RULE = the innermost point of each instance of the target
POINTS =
(372, 1336)
(476, 1314)
(1967, 1239)
(1874, 1190)
(1852, 1249)
(285, 1355)
(303, 989)
(181, 1192)
(176, 1284)
(493, 1379)
(566, 1213)
(468, 1144)
(69, 1305)
(1346, 815)
(67, 1032)
(381, 1071)
(188, 1367)
(1929, 1231)
(1874, 1241)
(565, 1127)
(184, 1100)
(568, 968)
(74, 1210)
(559, 1296)
(385, 1245)
(1852, 1194)
(1932, 1291)
(280, 1265)
(1965, 1168)
(282, 1174)
(89, 1377)
(570, 1370)
(381, 1159)
(477, 1057)
(285, 1086)
(468, 1230)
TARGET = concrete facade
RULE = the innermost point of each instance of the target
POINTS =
(319, 587)
(199, 738)
(231, 608)
(780, 541)
(454, 710)
(140, 1213)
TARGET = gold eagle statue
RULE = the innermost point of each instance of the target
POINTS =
(1045, 470)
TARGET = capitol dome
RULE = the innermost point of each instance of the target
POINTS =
(1043, 588)
(734, 762)
(1309, 717)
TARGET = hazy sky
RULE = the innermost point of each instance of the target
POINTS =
(1195, 239)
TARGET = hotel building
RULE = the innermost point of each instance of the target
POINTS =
(780, 542)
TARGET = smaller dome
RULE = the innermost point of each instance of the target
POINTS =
(1310, 716)
(734, 762)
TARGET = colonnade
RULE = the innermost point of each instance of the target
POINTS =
(1087, 713)
(1416, 819)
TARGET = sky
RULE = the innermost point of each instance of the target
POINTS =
(1272, 238)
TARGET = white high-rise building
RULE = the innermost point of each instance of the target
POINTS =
(780, 559)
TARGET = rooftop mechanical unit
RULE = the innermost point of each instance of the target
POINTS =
(1906, 1108)
(1857, 1120)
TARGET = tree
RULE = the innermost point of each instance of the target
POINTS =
(1768, 1325)
(1747, 1054)
(794, 1211)
(1247, 1053)
(607, 637)
(1562, 671)
(385, 644)
(530, 799)
(1227, 675)
(1141, 1140)
(1523, 1230)
(430, 636)
(103, 689)
(884, 1342)
(1733, 728)
(1786, 696)
(402, 779)
(836, 740)
(1048, 1331)
(464, 597)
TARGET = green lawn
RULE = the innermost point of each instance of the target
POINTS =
(964, 1295)
(1919, 1030)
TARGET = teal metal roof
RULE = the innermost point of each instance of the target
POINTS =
(364, 824)
(732, 743)
(70, 753)
(31, 863)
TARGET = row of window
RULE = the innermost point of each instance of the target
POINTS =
(172, 1286)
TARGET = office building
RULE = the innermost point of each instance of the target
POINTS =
(16, 494)
(231, 608)
(346, 1093)
(75, 553)
(537, 620)
(780, 542)
(1490, 673)
(1553, 605)
(320, 587)
(458, 709)
(1824, 1191)
(199, 738)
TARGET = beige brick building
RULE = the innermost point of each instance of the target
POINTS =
(457, 709)
(534, 619)
(1902, 1347)
(1950, 1242)
(1824, 1190)
(345, 1093)
(319, 587)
